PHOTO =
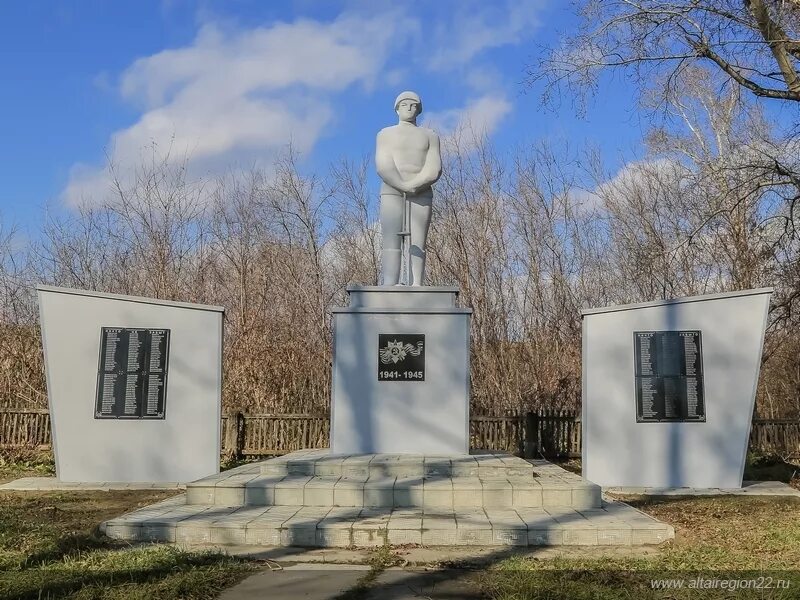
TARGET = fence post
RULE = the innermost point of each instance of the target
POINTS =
(240, 423)
(234, 435)
(531, 434)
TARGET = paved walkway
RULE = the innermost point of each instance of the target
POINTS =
(51, 484)
(328, 582)
(749, 488)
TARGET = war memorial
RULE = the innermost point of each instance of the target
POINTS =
(668, 392)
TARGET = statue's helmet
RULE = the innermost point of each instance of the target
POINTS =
(409, 96)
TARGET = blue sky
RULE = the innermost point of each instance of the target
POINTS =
(231, 83)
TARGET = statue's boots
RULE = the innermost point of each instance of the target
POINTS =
(390, 265)
(417, 265)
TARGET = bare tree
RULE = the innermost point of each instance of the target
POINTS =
(755, 44)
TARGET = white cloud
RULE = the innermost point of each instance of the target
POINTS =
(481, 116)
(584, 201)
(239, 96)
(243, 95)
(478, 26)
(483, 79)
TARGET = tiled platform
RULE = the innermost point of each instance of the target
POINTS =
(312, 499)
(614, 524)
(314, 478)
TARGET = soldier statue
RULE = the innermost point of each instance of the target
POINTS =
(408, 161)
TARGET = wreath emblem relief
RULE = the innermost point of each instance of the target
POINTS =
(395, 351)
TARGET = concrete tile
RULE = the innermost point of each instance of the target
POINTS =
(124, 531)
(334, 537)
(349, 492)
(503, 535)
(505, 518)
(519, 471)
(408, 492)
(300, 467)
(408, 468)
(534, 519)
(472, 519)
(160, 532)
(474, 537)
(259, 496)
(439, 537)
(614, 537)
(263, 536)
(466, 498)
(526, 497)
(580, 536)
(437, 498)
(317, 494)
(237, 480)
(651, 536)
(377, 497)
(545, 537)
(566, 516)
(466, 483)
(229, 496)
(370, 537)
(275, 517)
(339, 517)
(228, 535)
(356, 466)
(288, 496)
(497, 494)
(328, 467)
(299, 536)
(405, 521)
(554, 496)
(437, 466)
(240, 518)
(438, 522)
(465, 469)
(404, 536)
(200, 534)
(586, 497)
(200, 495)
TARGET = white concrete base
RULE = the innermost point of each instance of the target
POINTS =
(312, 499)
(613, 524)
(429, 416)
(51, 484)
(749, 488)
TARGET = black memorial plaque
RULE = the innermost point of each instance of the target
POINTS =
(132, 374)
(669, 376)
(401, 357)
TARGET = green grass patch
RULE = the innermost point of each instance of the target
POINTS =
(770, 467)
(25, 462)
(722, 538)
(50, 547)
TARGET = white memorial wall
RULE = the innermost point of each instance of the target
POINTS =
(134, 386)
(669, 389)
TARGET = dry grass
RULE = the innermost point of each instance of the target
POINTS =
(731, 537)
(50, 548)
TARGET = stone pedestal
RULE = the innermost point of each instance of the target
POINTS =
(400, 372)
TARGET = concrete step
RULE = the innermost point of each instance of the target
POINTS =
(321, 463)
(258, 489)
(612, 524)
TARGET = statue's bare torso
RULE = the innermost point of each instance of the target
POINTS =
(408, 146)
